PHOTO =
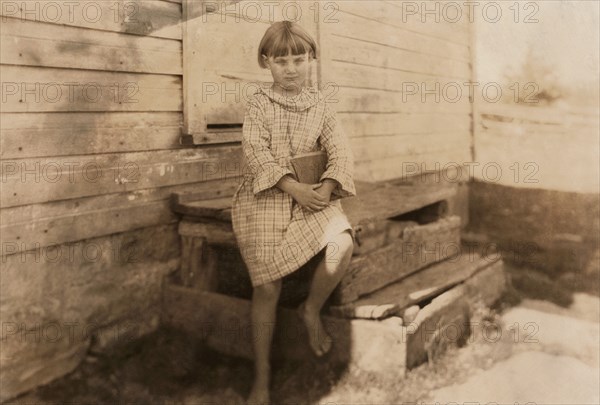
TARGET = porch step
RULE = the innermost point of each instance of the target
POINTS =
(223, 323)
(414, 289)
(418, 246)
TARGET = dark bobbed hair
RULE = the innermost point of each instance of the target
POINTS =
(285, 36)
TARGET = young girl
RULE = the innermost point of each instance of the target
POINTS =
(278, 222)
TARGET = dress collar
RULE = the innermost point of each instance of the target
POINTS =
(308, 97)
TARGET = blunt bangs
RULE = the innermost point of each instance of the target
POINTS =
(284, 37)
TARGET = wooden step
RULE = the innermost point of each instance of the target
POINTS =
(393, 299)
(374, 201)
(223, 323)
(419, 246)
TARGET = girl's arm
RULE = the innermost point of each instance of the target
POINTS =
(338, 175)
(256, 147)
(265, 170)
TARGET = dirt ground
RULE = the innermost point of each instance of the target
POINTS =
(169, 367)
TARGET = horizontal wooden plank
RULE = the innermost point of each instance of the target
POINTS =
(398, 14)
(26, 135)
(381, 147)
(224, 324)
(33, 43)
(357, 99)
(377, 234)
(414, 289)
(360, 124)
(397, 167)
(139, 17)
(414, 85)
(420, 245)
(376, 201)
(540, 114)
(377, 55)
(34, 89)
(40, 225)
(49, 179)
(211, 138)
(213, 208)
(394, 36)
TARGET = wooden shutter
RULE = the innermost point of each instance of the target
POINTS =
(220, 45)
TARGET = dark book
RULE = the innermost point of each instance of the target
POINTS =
(309, 167)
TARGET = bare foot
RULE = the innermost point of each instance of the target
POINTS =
(259, 395)
(320, 342)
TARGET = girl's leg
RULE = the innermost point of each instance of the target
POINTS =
(264, 306)
(327, 276)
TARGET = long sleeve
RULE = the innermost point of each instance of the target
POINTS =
(256, 147)
(340, 160)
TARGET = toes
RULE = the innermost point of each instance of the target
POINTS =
(326, 345)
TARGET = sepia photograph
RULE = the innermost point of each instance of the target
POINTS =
(290, 202)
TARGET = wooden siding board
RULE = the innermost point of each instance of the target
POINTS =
(356, 51)
(402, 165)
(48, 224)
(154, 18)
(47, 45)
(57, 178)
(373, 148)
(63, 134)
(35, 89)
(351, 99)
(393, 36)
(369, 77)
(359, 125)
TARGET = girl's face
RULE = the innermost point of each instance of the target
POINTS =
(289, 72)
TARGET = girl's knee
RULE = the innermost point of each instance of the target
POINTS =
(269, 291)
(346, 243)
(342, 244)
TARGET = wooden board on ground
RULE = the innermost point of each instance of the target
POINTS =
(419, 246)
(445, 321)
(414, 289)
(224, 324)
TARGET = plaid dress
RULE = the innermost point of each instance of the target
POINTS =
(276, 236)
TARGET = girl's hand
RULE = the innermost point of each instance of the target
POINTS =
(325, 192)
(306, 196)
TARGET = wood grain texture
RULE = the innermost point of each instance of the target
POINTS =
(137, 17)
(28, 227)
(223, 323)
(418, 247)
(32, 43)
(38, 180)
(414, 289)
(35, 89)
(35, 135)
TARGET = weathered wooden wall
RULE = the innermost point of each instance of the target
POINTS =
(542, 147)
(90, 126)
(536, 188)
(397, 83)
(92, 112)
(375, 55)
